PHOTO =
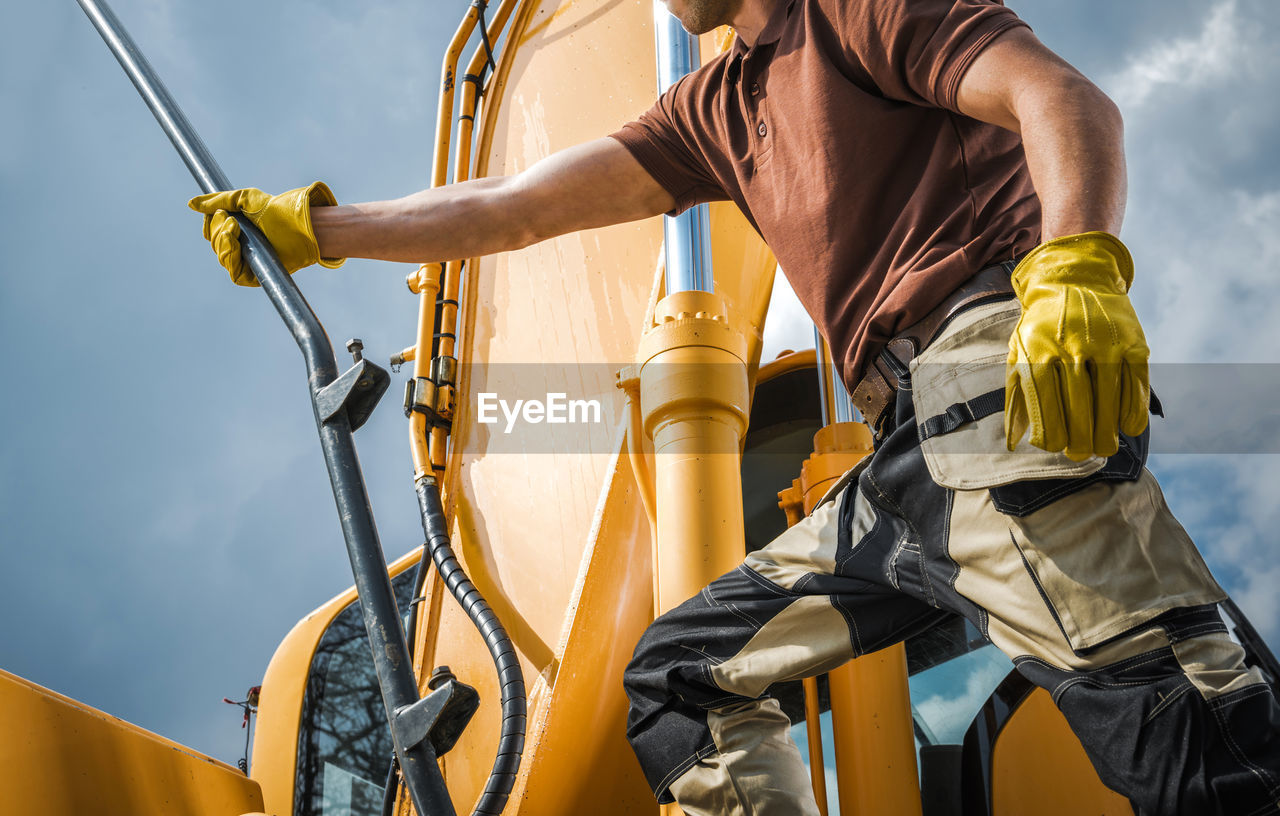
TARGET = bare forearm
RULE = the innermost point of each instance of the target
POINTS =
(592, 185)
(1072, 133)
(442, 224)
(1074, 141)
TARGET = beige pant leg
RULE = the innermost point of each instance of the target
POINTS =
(756, 771)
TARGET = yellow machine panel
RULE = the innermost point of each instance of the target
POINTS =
(1039, 767)
(546, 517)
(61, 756)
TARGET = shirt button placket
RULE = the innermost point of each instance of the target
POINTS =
(761, 128)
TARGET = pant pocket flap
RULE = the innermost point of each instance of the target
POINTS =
(957, 387)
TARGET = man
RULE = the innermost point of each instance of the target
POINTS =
(899, 156)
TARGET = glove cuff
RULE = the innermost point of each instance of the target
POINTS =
(1095, 259)
(319, 195)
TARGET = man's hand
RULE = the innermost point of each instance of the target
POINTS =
(1077, 366)
(285, 220)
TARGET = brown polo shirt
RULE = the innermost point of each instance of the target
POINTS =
(838, 136)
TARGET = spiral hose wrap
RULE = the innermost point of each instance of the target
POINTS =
(510, 675)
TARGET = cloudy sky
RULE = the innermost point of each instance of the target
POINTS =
(160, 477)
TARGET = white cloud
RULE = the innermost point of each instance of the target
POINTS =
(1207, 262)
(1249, 543)
(949, 715)
(1187, 62)
(1258, 598)
(1204, 208)
(788, 325)
(1228, 505)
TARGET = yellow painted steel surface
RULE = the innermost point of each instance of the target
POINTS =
(875, 750)
(1039, 767)
(813, 733)
(61, 756)
(275, 739)
(547, 519)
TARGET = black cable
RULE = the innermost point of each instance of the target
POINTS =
(490, 64)
(392, 785)
(248, 733)
(510, 676)
(419, 584)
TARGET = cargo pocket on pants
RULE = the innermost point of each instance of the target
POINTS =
(957, 392)
(1110, 558)
(1096, 537)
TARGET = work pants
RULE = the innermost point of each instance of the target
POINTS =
(1078, 573)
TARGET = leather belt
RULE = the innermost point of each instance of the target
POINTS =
(875, 393)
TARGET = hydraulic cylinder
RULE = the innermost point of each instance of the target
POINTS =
(695, 403)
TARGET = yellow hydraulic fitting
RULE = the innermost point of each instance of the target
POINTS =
(424, 276)
(836, 448)
(444, 401)
(406, 356)
(791, 502)
(695, 403)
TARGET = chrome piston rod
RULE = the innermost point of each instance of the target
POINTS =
(686, 237)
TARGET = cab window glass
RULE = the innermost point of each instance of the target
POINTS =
(344, 743)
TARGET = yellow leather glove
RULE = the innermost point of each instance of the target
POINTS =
(1077, 366)
(285, 220)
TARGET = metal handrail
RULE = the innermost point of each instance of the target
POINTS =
(368, 563)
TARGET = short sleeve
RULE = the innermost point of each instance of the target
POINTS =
(665, 139)
(918, 50)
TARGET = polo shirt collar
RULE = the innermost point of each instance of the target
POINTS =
(772, 30)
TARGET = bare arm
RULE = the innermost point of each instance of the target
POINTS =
(592, 185)
(1072, 133)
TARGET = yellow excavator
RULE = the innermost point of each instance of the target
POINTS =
(594, 438)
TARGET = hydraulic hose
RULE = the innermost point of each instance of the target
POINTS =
(510, 675)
